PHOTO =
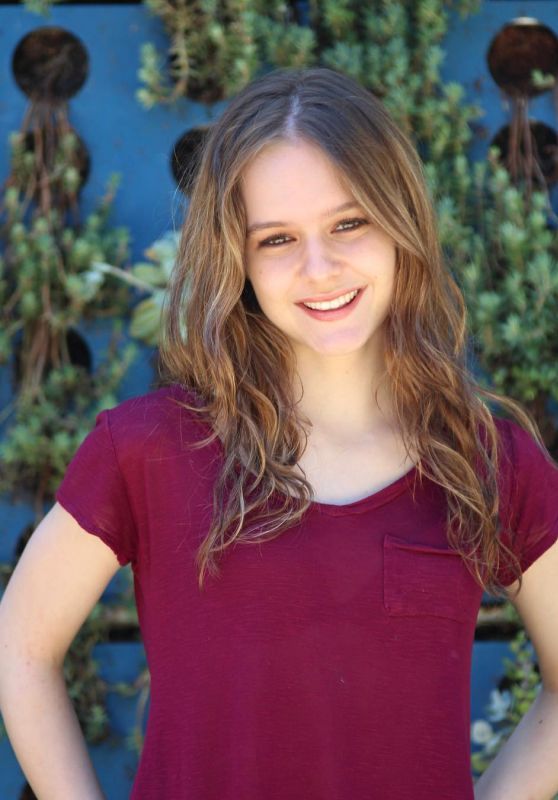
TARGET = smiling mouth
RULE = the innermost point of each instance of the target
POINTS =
(332, 305)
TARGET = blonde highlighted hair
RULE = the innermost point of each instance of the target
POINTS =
(217, 343)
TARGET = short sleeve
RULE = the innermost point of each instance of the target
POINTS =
(531, 519)
(94, 492)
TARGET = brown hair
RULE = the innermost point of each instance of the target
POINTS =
(231, 355)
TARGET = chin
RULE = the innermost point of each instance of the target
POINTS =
(336, 348)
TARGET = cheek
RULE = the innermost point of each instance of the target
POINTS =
(378, 258)
(270, 280)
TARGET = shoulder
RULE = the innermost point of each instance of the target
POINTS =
(519, 447)
(158, 423)
(528, 473)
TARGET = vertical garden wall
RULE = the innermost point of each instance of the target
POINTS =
(103, 109)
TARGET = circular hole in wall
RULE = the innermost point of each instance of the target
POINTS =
(78, 351)
(50, 63)
(80, 158)
(545, 142)
(185, 157)
(523, 45)
(22, 540)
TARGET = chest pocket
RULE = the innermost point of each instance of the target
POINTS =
(423, 580)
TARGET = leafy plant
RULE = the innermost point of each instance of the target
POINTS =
(216, 48)
(41, 7)
(47, 287)
(40, 441)
(46, 284)
(504, 252)
(152, 278)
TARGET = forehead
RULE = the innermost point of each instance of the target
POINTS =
(287, 178)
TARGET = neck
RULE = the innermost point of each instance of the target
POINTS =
(337, 394)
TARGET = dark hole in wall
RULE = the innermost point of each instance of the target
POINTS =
(499, 632)
(128, 633)
(522, 46)
(27, 793)
(50, 63)
(22, 541)
(185, 157)
(545, 141)
(78, 351)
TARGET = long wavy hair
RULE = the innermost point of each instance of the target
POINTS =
(218, 344)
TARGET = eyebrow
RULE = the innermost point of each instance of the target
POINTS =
(258, 226)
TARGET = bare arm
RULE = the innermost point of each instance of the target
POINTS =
(59, 578)
(526, 768)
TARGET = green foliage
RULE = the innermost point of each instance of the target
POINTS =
(42, 260)
(152, 278)
(47, 284)
(41, 7)
(86, 689)
(141, 687)
(543, 80)
(505, 255)
(216, 48)
(280, 42)
(40, 441)
(394, 49)
(47, 287)
(64, 170)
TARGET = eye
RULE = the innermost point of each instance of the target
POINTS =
(273, 241)
(352, 223)
(344, 225)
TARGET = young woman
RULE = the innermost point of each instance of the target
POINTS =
(312, 501)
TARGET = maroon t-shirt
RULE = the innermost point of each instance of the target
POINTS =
(332, 663)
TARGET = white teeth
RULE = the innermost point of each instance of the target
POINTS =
(330, 304)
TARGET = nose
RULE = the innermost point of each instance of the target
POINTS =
(319, 261)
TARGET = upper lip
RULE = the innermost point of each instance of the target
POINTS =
(323, 298)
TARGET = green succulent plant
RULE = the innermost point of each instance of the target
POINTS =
(503, 250)
(216, 48)
(148, 277)
(47, 290)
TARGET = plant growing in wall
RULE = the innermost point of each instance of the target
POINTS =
(47, 288)
(150, 277)
(41, 7)
(216, 48)
(396, 50)
(505, 255)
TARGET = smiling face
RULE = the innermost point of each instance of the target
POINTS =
(309, 242)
